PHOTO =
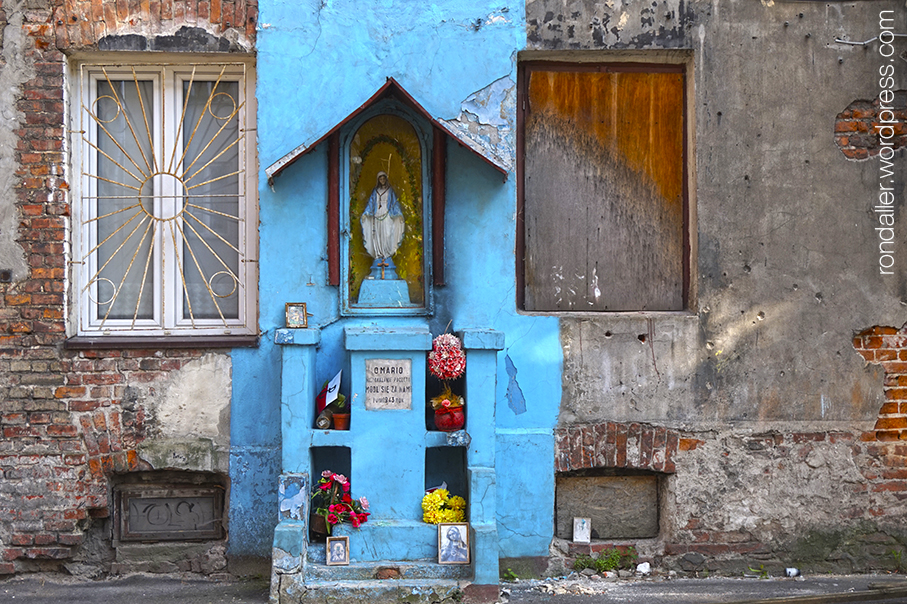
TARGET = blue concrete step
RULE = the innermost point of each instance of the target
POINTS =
(425, 591)
(316, 570)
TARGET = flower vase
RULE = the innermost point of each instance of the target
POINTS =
(318, 526)
(450, 420)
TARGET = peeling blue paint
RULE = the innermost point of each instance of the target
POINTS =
(489, 105)
(515, 399)
(254, 472)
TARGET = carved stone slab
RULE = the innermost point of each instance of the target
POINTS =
(150, 513)
(388, 384)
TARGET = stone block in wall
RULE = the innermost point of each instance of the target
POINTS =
(621, 507)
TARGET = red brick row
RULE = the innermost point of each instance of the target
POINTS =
(616, 445)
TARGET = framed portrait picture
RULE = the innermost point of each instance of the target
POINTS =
(453, 543)
(582, 530)
(296, 315)
(338, 551)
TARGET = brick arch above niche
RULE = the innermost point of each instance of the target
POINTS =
(634, 446)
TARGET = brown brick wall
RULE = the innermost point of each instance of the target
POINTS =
(855, 127)
(67, 421)
(887, 346)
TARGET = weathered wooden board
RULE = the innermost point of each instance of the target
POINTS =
(603, 206)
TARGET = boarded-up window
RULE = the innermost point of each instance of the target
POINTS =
(604, 216)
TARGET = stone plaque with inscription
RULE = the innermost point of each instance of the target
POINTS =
(388, 384)
(151, 513)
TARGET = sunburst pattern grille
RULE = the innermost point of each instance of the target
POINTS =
(163, 188)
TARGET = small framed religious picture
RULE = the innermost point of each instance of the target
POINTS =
(338, 551)
(297, 315)
(453, 543)
(582, 530)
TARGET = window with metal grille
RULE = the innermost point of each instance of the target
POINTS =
(166, 237)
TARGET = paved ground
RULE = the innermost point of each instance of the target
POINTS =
(810, 590)
(135, 589)
(157, 589)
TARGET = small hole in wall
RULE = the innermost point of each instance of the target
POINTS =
(641, 337)
(608, 334)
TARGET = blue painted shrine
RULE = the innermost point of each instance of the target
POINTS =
(392, 452)
(318, 69)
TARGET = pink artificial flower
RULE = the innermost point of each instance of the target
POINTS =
(363, 502)
(326, 474)
(333, 518)
(340, 478)
(346, 487)
(446, 402)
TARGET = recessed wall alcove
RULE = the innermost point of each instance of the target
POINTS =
(614, 474)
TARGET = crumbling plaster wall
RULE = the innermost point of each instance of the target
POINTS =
(72, 419)
(784, 271)
(189, 416)
(16, 67)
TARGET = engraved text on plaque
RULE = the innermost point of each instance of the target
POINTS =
(388, 384)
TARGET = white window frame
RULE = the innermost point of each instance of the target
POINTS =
(168, 76)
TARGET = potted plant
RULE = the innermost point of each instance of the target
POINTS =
(447, 362)
(333, 504)
(336, 413)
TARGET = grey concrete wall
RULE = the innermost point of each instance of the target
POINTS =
(785, 261)
(762, 369)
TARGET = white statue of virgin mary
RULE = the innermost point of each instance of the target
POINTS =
(382, 221)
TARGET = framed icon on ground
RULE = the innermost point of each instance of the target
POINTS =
(338, 551)
(453, 543)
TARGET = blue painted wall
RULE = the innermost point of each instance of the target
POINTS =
(318, 62)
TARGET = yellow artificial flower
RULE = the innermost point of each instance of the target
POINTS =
(438, 506)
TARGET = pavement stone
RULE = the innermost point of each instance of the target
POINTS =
(573, 589)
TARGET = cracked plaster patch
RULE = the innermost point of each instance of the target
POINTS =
(196, 400)
(485, 122)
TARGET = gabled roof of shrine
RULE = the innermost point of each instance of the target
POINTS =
(390, 88)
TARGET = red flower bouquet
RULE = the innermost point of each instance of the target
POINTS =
(447, 361)
(332, 500)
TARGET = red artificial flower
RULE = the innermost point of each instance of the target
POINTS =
(363, 517)
(325, 486)
(333, 518)
(354, 519)
(346, 487)
(446, 361)
(346, 498)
